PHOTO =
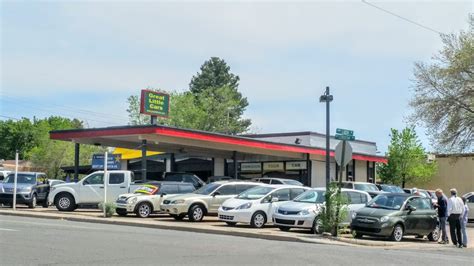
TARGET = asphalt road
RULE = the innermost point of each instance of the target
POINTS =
(32, 241)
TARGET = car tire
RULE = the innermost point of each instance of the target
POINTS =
(435, 234)
(33, 201)
(178, 217)
(65, 202)
(284, 228)
(258, 219)
(231, 223)
(196, 213)
(397, 233)
(121, 212)
(358, 235)
(143, 210)
(317, 226)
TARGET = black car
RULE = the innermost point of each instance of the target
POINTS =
(184, 177)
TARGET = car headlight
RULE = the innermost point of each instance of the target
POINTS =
(384, 219)
(244, 206)
(132, 200)
(303, 212)
(354, 215)
(180, 201)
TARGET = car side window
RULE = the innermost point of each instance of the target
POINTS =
(176, 178)
(294, 192)
(266, 181)
(190, 179)
(185, 188)
(227, 190)
(96, 179)
(242, 188)
(357, 198)
(169, 189)
(421, 204)
(276, 182)
(346, 185)
(116, 178)
(282, 194)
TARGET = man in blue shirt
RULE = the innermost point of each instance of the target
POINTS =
(442, 206)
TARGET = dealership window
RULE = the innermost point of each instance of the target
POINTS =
(370, 172)
(350, 171)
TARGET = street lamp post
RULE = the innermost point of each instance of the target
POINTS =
(327, 98)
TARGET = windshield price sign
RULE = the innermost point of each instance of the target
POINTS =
(155, 103)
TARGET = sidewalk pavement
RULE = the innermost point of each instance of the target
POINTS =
(211, 225)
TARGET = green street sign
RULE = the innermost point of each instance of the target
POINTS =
(155, 103)
(345, 132)
(344, 137)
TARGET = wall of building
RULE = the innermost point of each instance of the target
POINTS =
(453, 172)
(361, 171)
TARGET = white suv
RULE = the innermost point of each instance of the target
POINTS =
(255, 206)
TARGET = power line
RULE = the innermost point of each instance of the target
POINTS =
(9, 117)
(403, 18)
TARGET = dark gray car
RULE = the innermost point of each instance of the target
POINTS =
(27, 183)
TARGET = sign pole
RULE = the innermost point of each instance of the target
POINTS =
(105, 183)
(339, 187)
(15, 181)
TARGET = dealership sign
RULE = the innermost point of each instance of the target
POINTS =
(296, 165)
(113, 161)
(273, 166)
(250, 167)
(155, 103)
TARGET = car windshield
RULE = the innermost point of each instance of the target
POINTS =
(311, 196)
(255, 193)
(366, 187)
(387, 201)
(207, 189)
(21, 179)
(292, 182)
(392, 189)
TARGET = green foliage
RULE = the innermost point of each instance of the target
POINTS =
(334, 210)
(443, 98)
(213, 103)
(407, 160)
(109, 208)
(32, 140)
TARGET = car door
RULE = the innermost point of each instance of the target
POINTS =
(224, 192)
(283, 195)
(165, 189)
(92, 189)
(42, 187)
(419, 220)
(117, 185)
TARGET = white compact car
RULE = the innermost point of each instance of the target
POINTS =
(256, 205)
(303, 211)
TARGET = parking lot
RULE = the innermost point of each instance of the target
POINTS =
(213, 226)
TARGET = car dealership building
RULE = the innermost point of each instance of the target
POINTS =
(295, 155)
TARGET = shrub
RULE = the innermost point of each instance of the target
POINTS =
(109, 208)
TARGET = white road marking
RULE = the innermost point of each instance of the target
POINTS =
(6, 229)
(49, 224)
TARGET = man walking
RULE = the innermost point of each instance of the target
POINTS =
(455, 211)
(442, 206)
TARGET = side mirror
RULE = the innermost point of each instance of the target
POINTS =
(215, 193)
(274, 199)
(163, 194)
(410, 208)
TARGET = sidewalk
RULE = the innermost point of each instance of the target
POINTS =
(213, 226)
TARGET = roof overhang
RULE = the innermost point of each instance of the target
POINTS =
(192, 142)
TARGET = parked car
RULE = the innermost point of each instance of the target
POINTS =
(304, 211)
(44, 189)
(90, 190)
(470, 203)
(421, 192)
(370, 188)
(277, 181)
(3, 174)
(218, 178)
(184, 177)
(205, 200)
(395, 215)
(390, 188)
(147, 199)
(256, 205)
(26, 188)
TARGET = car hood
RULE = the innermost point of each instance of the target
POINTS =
(297, 206)
(374, 212)
(189, 196)
(234, 203)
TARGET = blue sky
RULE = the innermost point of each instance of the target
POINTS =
(82, 59)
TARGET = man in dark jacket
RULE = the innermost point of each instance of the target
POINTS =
(442, 206)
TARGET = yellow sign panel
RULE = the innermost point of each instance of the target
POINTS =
(128, 154)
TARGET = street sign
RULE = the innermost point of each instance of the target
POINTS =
(345, 132)
(155, 103)
(113, 161)
(343, 153)
(345, 137)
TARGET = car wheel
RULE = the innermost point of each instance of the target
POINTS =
(397, 234)
(435, 234)
(231, 223)
(33, 202)
(258, 220)
(65, 202)
(143, 210)
(284, 228)
(196, 213)
(317, 226)
(357, 235)
(121, 212)
(178, 217)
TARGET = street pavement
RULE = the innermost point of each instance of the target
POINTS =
(34, 241)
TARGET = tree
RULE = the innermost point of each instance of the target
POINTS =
(16, 135)
(443, 98)
(407, 160)
(215, 73)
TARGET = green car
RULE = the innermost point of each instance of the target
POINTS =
(395, 215)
